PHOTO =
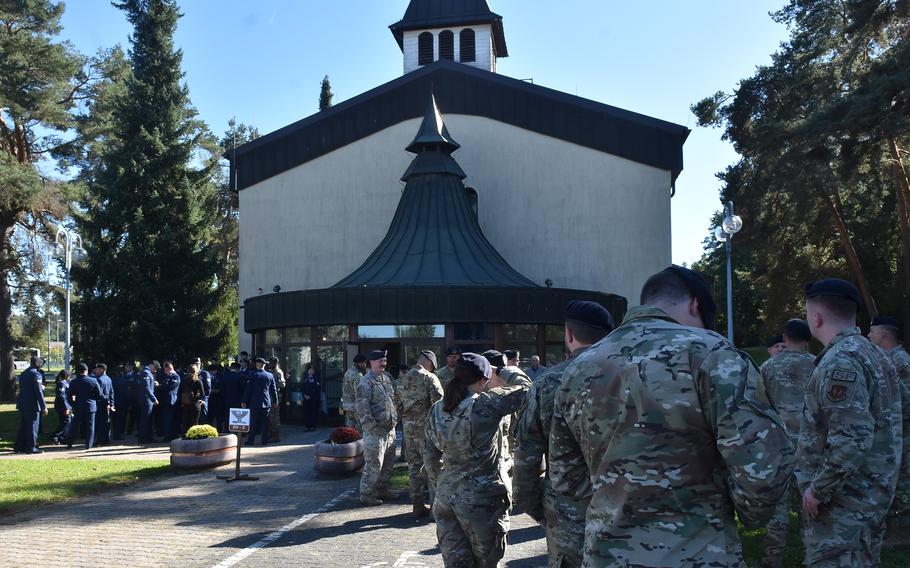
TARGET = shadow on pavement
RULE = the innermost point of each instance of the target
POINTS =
(526, 534)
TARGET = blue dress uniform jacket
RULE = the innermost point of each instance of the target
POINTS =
(232, 389)
(170, 392)
(84, 392)
(260, 394)
(102, 416)
(123, 400)
(144, 389)
(30, 404)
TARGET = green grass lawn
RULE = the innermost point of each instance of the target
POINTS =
(26, 483)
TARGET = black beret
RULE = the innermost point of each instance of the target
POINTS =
(81, 367)
(261, 360)
(797, 329)
(494, 357)
(273, 359)
(376, 355)
(774, 340)
(453, 350)
(477, 364)
(510, 353)
(360, 358)
(833, 287)
(700, 289)
(431, 356)
(590, 314)
(196, 361)
(886, 321)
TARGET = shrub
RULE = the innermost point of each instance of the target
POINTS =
(344, 435)
(201, 431)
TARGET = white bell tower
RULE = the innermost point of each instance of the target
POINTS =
(463, 31)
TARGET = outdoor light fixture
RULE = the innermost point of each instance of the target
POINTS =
(67, 246)
(276, 288)
(730, 225)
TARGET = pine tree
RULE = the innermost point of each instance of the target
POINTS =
(151, 287)
(325, 94)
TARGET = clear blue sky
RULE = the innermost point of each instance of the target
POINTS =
(262, 62)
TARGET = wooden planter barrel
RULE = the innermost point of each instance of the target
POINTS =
(206, 452)
(338, 458)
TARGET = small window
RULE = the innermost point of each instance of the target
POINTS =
(467, 50)
(447, 45)
(425, 48)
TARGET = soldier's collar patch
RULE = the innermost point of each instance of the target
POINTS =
(843, 376)
(837, 393)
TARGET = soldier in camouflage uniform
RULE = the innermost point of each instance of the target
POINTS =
(351, 377)
(851, 437)
(674, 425)
(446, 373)
(464, 454)
(416, 392)
(885, 333)
(785, 378)
(507, 374)
(562, 517)
(374, 401)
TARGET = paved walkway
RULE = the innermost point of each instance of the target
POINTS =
(291, 516)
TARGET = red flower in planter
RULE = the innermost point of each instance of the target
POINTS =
(344, 435)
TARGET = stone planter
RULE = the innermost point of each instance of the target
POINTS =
(339, 458)
(205, 452)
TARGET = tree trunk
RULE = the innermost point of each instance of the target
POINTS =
(902, 189)
(7, 392)
(856, 268)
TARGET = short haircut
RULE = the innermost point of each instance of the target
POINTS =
(585, 333)
(168, 362)
(665, 285)
(101, 366)
(839, 307)
(360, 358)
(155, 363)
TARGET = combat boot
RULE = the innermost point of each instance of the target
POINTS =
(370, 501)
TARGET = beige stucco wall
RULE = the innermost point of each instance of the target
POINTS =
(556, 210)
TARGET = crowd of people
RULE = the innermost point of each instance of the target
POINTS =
(159, 401)
(653, 439)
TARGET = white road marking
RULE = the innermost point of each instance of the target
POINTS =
(409, 559)
(267, 540)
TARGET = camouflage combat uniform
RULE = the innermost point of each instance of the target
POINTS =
(416, 392)
(561, 516)
(445, 375)
(785, 377)
(351, 377)
(374, 401)
(513, 376)
(678, 435)
(464, 462)
(901, 360)
(850, 444)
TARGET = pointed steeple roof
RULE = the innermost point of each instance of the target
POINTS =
(433, 133)
(435, 238)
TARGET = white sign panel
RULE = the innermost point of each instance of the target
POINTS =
(239, 420)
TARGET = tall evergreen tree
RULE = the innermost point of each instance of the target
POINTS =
(325, 94)
(151, 287)
(41, 82)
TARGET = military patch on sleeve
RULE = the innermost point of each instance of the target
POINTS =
(843, 376)
(837, 393)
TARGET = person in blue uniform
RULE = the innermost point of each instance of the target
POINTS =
(121, 383)
(133, 374)
(217, 413)
(31, 406)
(261, 397)
(205, 378)
(232, 385)
(62, 406)
(106, 405)
(84, 394)
(312, 393)
(169, 403)
(146, 401)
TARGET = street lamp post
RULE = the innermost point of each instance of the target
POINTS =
(729, 227)
(67, 244)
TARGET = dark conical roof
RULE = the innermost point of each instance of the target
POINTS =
(433, 133)
(435, 238)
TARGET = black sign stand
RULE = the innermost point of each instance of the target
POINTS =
(239, 430)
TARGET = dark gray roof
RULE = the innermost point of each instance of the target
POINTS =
(435, 238)
(428, 14)
(463, 89)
